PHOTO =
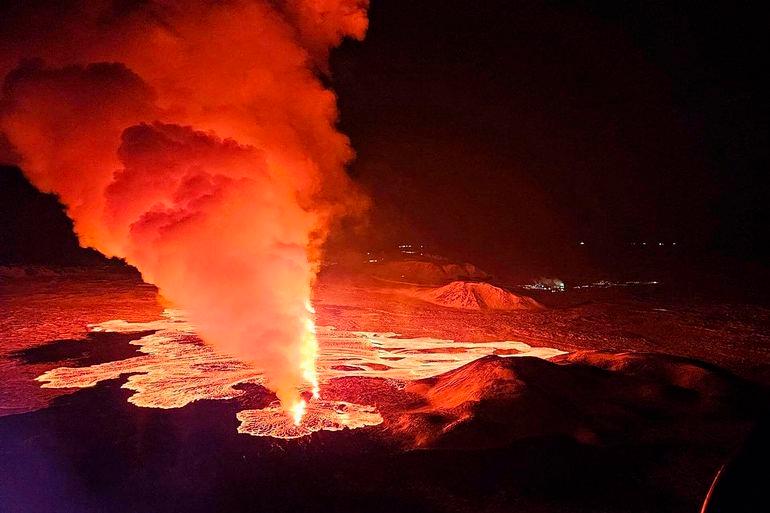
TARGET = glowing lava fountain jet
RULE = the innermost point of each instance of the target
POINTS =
(195, 140)
(307, 364)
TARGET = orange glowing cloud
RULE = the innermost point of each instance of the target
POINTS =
(195, 140)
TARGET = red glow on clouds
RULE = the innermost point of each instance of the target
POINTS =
(195, 140)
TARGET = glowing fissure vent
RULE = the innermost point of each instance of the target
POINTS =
(298, 411)
(309, 355)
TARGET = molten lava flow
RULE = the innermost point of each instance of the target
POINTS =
(321, 416)
(175, 370)
(195, 140)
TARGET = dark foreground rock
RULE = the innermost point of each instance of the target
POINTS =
(505, 434)
(592, 397)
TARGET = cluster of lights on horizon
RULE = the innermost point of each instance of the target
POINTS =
(635, 243)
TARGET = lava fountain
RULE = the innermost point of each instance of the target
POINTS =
(195, 140)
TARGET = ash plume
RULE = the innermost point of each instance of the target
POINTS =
(194, 140)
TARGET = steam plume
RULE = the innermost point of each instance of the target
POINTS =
(195, 140)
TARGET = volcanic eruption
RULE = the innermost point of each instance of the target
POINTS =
(196, 141)
(533, 290)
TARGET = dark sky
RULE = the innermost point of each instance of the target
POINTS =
(522, 127)
(506, 131)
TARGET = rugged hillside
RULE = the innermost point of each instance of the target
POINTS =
(592, 397)
(475, 296)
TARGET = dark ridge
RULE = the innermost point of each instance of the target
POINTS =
(96, 348)
(34, 228)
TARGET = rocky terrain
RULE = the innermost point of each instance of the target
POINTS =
(592, 400)
(474, 296)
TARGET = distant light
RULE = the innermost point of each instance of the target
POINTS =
(673, 243)
(660, 243)
(582, 243)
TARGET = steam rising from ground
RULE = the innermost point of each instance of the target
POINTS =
(195, 140)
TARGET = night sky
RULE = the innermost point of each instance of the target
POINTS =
(520, 128)
(507, 131)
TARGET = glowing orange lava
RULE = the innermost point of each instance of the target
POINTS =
(175, 369)
(310, 351)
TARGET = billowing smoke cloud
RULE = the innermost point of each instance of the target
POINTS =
(195, 140)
